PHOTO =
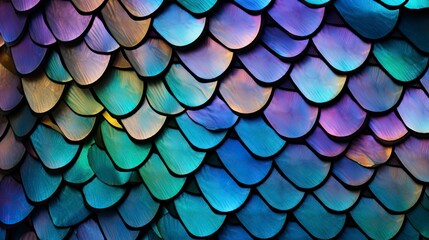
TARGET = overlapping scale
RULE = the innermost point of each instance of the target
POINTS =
(198, 7)
(400, 59)
(81, 101)
(220, 190)
(341, 48)
(39, 31)
(11, 150)
(104, 169)
(382, 127)
(10, 95)
(199, 220)
(393, 3)
(372, 219)
(120, 91)
(296, 18)
(275, 68)
(290, 115)
(258, 137)
(11, 23)
(395, 189)
(114, 228)
(197, 135)
(216, 59)
(317, 220)
(418, 217)
(170, 227)
(116, 141)
(281, 43)
(368, 18)
(13, 198)
(87, 6)
(144, 123)
(66, 23)
(27, 55)
(141, 9)
(242, 93)
(38, 184)
(416, 4)
(352, 233)
(99, 195)
(301, 166)
(52, 148)
(177, 26)
(55, 70)
(166, 186)
(233, 231)
(99, 39)
(240, 164)
(89, 229)
(366, 151)
(418, 101)
(325, 146)
(233, 27)
(182, 84)
(293, 231)
(84, 65)
(335, 196)
(44, 227)
(316, 81)
(161, 100)
(351, 172)
(151, 58)
(411, 25)
(22, 121)
(177, 154)
(279, 193)
(215, 116)
(126, 31)
(259, 219)
(413, 154)
(80, 172)
(138, 208)
(23, 5)
(253, 5)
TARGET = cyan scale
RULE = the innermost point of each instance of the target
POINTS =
(240, 119)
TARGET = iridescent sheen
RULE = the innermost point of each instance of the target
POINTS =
(87, 6)
(351, 173)
(66, 23)
(98, 39)
(374, 90)
(44, 227)
(11, 151)
(368, 18)
(177, 154)
(233, 27)
(38, 184)
(281, 43)
(89, 229)
(27, 55)
(416, 4)
(116, 141)
(99, 195)
(220, 190)
(316, 81)
(170, 228)
(198, 7)
(366, 151)
(24, 5)
(242, 93)
(144, 123)
(294, 231)
(11, 23)
(259, 219)
(10, 95)
(52, 148)
(177, 26)
(161, 100)
(253, 5)
(325, 146)
(295, 17)
(279, 193)
(80, 172)
(335, 196)
(341, 48)
(232, 232)
(301, 166)
(317, 220)
(418, 217)
(120, 91)
(141, 9)
(182, 85)
(39, 31)
(240, 164)
(275, 68)
(373, 219)
(166, 185)
(418, 101)
(290, 115)
(81, 101)
(216, 59)
(393, 3)
(258, 137)
(151, 58)
(84, 65)
(22, 121)
(413, 154)
(400, 59)
(388, 128)
(13, 198)
(126, 31)
(113, 227)
(343, 118)
(55, 70)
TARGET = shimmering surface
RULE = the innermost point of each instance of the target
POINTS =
(80, 171)
(316, 81)
(87, 6)
(22, 121)
(99, 39)
(39, 31)
(124, 29)
(253, 5)
(295, 17)
(281, 43)
(343, 118)
(99, 195)
(81, 101)
(400, 59)
(65, 21)
(151, 58)
(233, 27)
(24, 5)
(13, 198)
(325, 146)
(367, 152)
(11, 24)
(216, 59)
(290, 115)
(177, 26)
(114, 228)
(44, 227)
(417, 101)
(27, 55)
(382, 127)
(11, 151)
(198, 6)
(55, 70)
(141, 9)
(9, 93)
(335, 196)
(89, 229)
(120, 91)
(413, 153)
(161, 100)
(341, 48)
(351, 173)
